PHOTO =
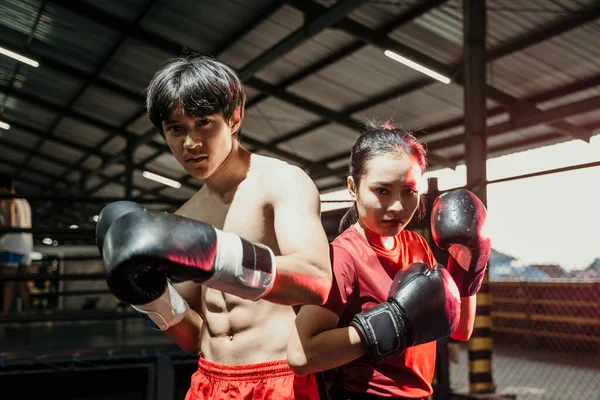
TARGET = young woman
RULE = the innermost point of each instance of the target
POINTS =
(390, 299)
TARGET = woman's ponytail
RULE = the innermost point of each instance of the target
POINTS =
(349, 218)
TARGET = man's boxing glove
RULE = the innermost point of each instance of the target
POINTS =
(457, 220)
(142, 248)
(157, 300)
(110, 214)
(423, 305)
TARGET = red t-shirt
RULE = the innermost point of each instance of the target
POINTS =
(362, 276)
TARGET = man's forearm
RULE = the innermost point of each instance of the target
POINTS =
(186, 334)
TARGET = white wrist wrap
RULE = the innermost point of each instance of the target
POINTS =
(164, 312)
(244, 269)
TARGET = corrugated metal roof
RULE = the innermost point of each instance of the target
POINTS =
(46, 166)
(375, 14)
(273, 118)
(115, 145)
(520, 134)
(92, 163)
(103, 105)
(9, 154)
(329, 181)
(54, 149)
(72, 41)
(20, 137)
(65, 36)
(586, 119)
(437, 33)
(557, 61)
(344, 83)
(320, 46)
(133, 65)
(7, 70)
(50, 85)
(142, 152)
(74, 176)
(113, 170)
(93, 181)
(126, 9)
(266, 35)
(26, 113)
(322, 142)
(201, 26)
(79, 132)
(338, 164)
(111, 190)
(141, 125)
(36, 177)
(442, 102)
(19, 16)
(572, 98)
(510, 19)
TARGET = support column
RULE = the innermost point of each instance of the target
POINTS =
(475, 61)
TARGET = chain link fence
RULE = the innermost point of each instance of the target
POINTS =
(546, 335)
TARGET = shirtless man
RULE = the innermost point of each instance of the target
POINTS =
(238, 255)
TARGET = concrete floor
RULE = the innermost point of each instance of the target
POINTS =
(532, 374)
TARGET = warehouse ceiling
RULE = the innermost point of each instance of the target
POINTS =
(314, 71)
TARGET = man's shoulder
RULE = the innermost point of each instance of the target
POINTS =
(192, 202)
(269, 168)
(279, 178)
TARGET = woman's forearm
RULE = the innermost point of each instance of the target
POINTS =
(468, 307)
(325, 350)
(186, 334)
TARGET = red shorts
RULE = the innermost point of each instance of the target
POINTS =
(268, 380)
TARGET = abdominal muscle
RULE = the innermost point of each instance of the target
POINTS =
(238, 331)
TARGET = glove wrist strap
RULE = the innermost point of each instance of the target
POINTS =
(383, 330)
(244, 269)
(164, 312)
(468, 283)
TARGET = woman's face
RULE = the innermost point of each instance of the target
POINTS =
(387, 195)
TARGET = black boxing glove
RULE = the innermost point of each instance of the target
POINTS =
(110, 214)
(156, 299)
(142, 248)
(423, 306)
(457, 220)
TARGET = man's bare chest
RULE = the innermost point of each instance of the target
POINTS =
(247, 215)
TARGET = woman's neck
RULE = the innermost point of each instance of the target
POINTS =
(383, 242)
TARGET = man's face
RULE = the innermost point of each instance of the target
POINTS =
(200, 144)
